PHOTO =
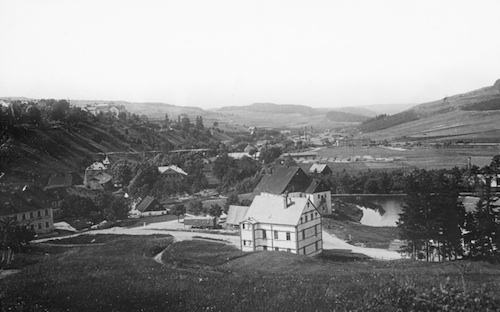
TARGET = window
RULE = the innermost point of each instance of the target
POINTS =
(244, 243)
(39, 226)
(316, 214)
(39, 213)
(301, 220)
(47, 224)
(303, 234)
(265, 247)
(316, 230)
(312, 215)
(31, 215)
(275, 234)
(46, 212)
(24, 216)
(243, 226)
(276, 249)
(316, 245)
(32, 227)
(264, 236)
(306, 218)
(319, 196)
(287, 235)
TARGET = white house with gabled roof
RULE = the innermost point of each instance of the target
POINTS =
(282, 223)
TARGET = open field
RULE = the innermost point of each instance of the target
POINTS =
(419, 157)
(122, 275)
(356, 233)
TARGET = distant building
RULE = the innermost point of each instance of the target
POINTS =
(235, 215)
(172, 174)
(294, 182)
(280, 223)
(150, 206)
(96, 177)
(320, 168)
(67, 179)
(30, 207)
(105, 108)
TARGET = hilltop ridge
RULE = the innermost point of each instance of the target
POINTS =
(468, 116)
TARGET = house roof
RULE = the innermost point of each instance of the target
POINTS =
(164, 169)
(64, 180)
(97, 166)
(284, 179)
(316, 186)
(26, 200)
(236, 214)
(272, 209)
(146, 203)
(318, 168)
(106, 161)
(102, 177)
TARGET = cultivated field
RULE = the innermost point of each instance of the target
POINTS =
(124, 275)
(418, 157)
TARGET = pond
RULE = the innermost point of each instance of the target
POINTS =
(391, 208)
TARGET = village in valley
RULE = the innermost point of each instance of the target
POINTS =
(327, 194)
(242, 156)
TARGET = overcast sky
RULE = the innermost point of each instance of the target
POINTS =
(213, 53)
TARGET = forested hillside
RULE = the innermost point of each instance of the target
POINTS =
(47, 136)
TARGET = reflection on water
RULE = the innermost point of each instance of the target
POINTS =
(392, 209)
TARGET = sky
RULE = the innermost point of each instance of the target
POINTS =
(214, 53)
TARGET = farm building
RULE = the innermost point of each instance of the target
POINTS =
(282, 223)
(149, 206)
(320, 168)
(235, 215)
(172, 174)
(294, 182)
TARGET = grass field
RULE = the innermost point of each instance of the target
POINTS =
(419, 157)
(208, 276)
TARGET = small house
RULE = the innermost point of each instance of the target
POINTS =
(320, 168)
(150, 206)
(172, 174)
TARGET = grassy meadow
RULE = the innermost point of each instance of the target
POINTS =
(417, 157)
(123, 275)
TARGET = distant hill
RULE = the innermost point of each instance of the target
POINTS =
(344, 117)
(275, 108)
(471, 116)
(289, 116)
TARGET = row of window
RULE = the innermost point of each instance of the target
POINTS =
(32, 215)
(312, 215)
(276, 235)
(39, 226)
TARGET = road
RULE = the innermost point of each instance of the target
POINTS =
(175, 229)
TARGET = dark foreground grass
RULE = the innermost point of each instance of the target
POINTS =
(209, 276)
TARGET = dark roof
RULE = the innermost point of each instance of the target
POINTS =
(12, 202)
(284, 179)
(317, 186)
(148, 202)
(64, 180)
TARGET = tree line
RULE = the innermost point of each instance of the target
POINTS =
(434, 222)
